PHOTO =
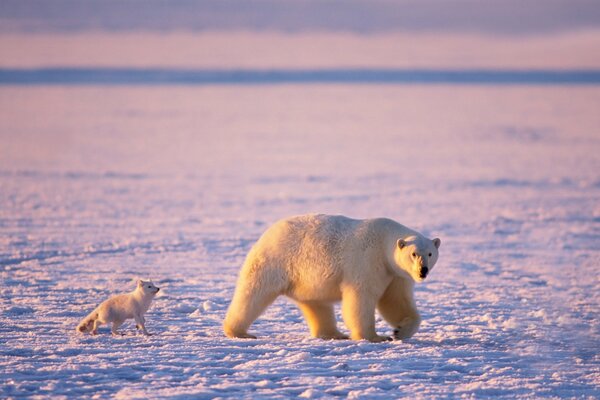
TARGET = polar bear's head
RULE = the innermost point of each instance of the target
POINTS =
(417, 255)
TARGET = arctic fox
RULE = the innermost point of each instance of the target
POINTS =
(121, 307)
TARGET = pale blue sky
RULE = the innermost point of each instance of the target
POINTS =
(491, 16)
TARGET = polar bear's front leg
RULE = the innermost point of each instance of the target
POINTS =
(397, 306)
(321, 320)
(358, 311)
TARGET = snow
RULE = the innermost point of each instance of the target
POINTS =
(100, 186)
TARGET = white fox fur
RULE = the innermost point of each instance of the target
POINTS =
(119, 308)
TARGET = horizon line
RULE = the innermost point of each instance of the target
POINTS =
(122, 76)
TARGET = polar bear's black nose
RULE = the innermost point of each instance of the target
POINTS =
(424, 271)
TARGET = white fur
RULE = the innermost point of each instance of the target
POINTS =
(119, 308)
(318, 260)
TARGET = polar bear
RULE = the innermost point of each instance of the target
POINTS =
(318, 260)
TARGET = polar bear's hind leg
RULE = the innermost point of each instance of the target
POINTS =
(245, 308)
(321, 320)
(253, 295)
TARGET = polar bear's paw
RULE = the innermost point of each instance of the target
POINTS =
(334, 336)
(407, 328)
(374, 338)
(245, 336)
(379, 339)
(238, 334)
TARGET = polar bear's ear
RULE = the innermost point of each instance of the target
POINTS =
(437, 242)
(401, 243)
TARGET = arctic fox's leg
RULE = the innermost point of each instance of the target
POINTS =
(358, 310)
(321, 320)
(95, 327)
(139, 327)
(139, 321)
(115, 325)
(397, 306)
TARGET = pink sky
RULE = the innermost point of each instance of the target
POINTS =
(497, 17)
(239, 49)
(439, 34)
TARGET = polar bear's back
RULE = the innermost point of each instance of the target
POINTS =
(312, 253)
(305, 237)
(302, 255)
(324, 238)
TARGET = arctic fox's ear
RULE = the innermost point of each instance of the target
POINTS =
(401, 243)
(140, 282)
(437, 242)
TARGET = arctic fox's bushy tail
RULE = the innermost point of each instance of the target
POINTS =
(87, 323)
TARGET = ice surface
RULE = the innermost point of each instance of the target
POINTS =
(99, 186)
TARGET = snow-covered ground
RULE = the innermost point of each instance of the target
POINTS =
(99, 186)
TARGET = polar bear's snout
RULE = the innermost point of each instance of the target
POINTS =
(422, 266)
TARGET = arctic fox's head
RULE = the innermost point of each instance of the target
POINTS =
(417, 255)
(147, 287)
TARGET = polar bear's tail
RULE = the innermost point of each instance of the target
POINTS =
(87, 323)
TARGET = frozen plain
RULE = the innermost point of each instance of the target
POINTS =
(101, 185)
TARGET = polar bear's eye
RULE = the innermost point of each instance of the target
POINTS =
(414, 254)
